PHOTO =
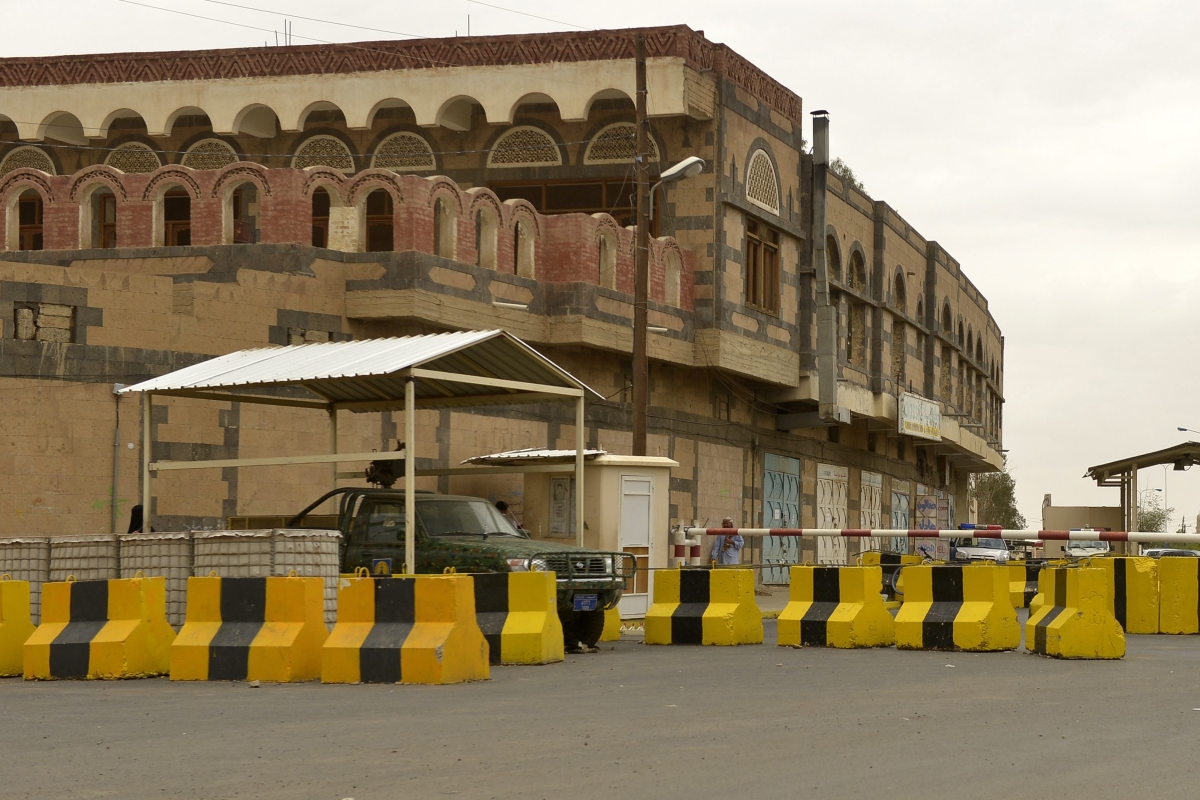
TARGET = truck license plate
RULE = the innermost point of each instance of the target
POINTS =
(585, 602)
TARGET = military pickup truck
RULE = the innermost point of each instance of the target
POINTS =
(470, 535)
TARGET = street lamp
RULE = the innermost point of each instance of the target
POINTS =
(1184, 430)
(690, 167)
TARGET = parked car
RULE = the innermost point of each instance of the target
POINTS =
(1161, 552)
(979, 550)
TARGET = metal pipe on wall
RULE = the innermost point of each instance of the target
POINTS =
(116, 467)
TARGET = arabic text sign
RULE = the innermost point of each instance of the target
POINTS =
(920, 417)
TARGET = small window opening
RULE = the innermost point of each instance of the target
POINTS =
(29, 221)
(380, 224)
(320, 218)
(177, 218)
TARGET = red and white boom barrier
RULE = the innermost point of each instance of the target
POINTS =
(977, 533)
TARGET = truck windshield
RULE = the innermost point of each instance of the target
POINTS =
(990, 544)
(1102, 546)
(456, 517)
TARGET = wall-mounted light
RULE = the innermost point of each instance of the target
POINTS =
(514, 306)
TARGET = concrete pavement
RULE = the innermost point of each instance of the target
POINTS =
(635, 721)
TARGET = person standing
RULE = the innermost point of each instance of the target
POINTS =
(727, 549)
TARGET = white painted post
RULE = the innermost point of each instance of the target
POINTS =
(147, 406)
(410, 478)
(579, 443)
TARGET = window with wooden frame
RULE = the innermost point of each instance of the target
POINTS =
(762, 267)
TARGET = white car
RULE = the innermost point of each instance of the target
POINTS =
(980, 550)
(1082, 549)
(1160, 552)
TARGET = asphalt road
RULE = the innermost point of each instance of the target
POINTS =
(636, 722)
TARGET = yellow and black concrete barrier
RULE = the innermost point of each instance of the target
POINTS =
(16, 625)
(1074, 621)
(1132, 591)
(251, 629)
(704, 606)
(612, 626)
(1179, 594)
(836, 607)
(518, 614)
(101, 629)
(406, 629)
(957, 608)
(1022, 583)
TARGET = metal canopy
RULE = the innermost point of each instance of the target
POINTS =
(466, 368)
(460, 368)
(1181, 455)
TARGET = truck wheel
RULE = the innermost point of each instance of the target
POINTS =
(590, 626)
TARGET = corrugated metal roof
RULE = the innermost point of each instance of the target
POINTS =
(532, 454)
(371, 369)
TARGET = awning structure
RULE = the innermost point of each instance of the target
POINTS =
(531, 455)
(442, 370)
(1123, 474)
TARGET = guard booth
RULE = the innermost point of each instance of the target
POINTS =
(626, 507)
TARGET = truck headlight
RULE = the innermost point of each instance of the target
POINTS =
(537, 565)
(518, 564)
(608, 564)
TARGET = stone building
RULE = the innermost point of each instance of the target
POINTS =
(162, 208)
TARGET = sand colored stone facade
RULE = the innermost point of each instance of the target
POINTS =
(472, 201)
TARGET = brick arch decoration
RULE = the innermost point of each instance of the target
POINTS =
(440, 185)
(29, 177)
(369, 180)
(522, 209)
(605, 222)
(245, 171)
(100, 173)
(483, 196)
(181, 175)
(327, 179)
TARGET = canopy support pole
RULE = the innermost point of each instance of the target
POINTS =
(579, 441)
(147, 406)
(333, 448)
(410, 478)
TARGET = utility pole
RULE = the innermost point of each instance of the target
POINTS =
(641, 274)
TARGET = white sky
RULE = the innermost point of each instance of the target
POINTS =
(1050, 147)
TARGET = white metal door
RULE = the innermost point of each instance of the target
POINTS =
(870, 505)
(901, 514)
(781, 509)
(832, 488)
(637, 501)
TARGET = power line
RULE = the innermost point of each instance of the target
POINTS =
(526, 14)
(314, 19)
(426, 59)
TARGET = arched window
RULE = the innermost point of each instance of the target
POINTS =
(947, 375)
(320, 218)
(607, 272)
(523, 249)
(900, 294)
(762, 187)
(920, 311)
(445, 228)
(324, 151)
(176, 218)
(133, 157)
(242, 218)
(617, 144)
(970, 342)
(833, 258)
(960, 333)
(672, 278)
(525, 147)
(856, 272)
(404, 152)
(380, 222)
(899, 356)
(26, 157)
(209, 154)
(947, 321)
(99, 227)
(486, 237)
(29, 208)
(979, 350)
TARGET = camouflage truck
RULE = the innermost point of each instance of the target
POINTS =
(470, 535)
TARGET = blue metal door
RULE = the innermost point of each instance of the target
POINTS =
(781, 509)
